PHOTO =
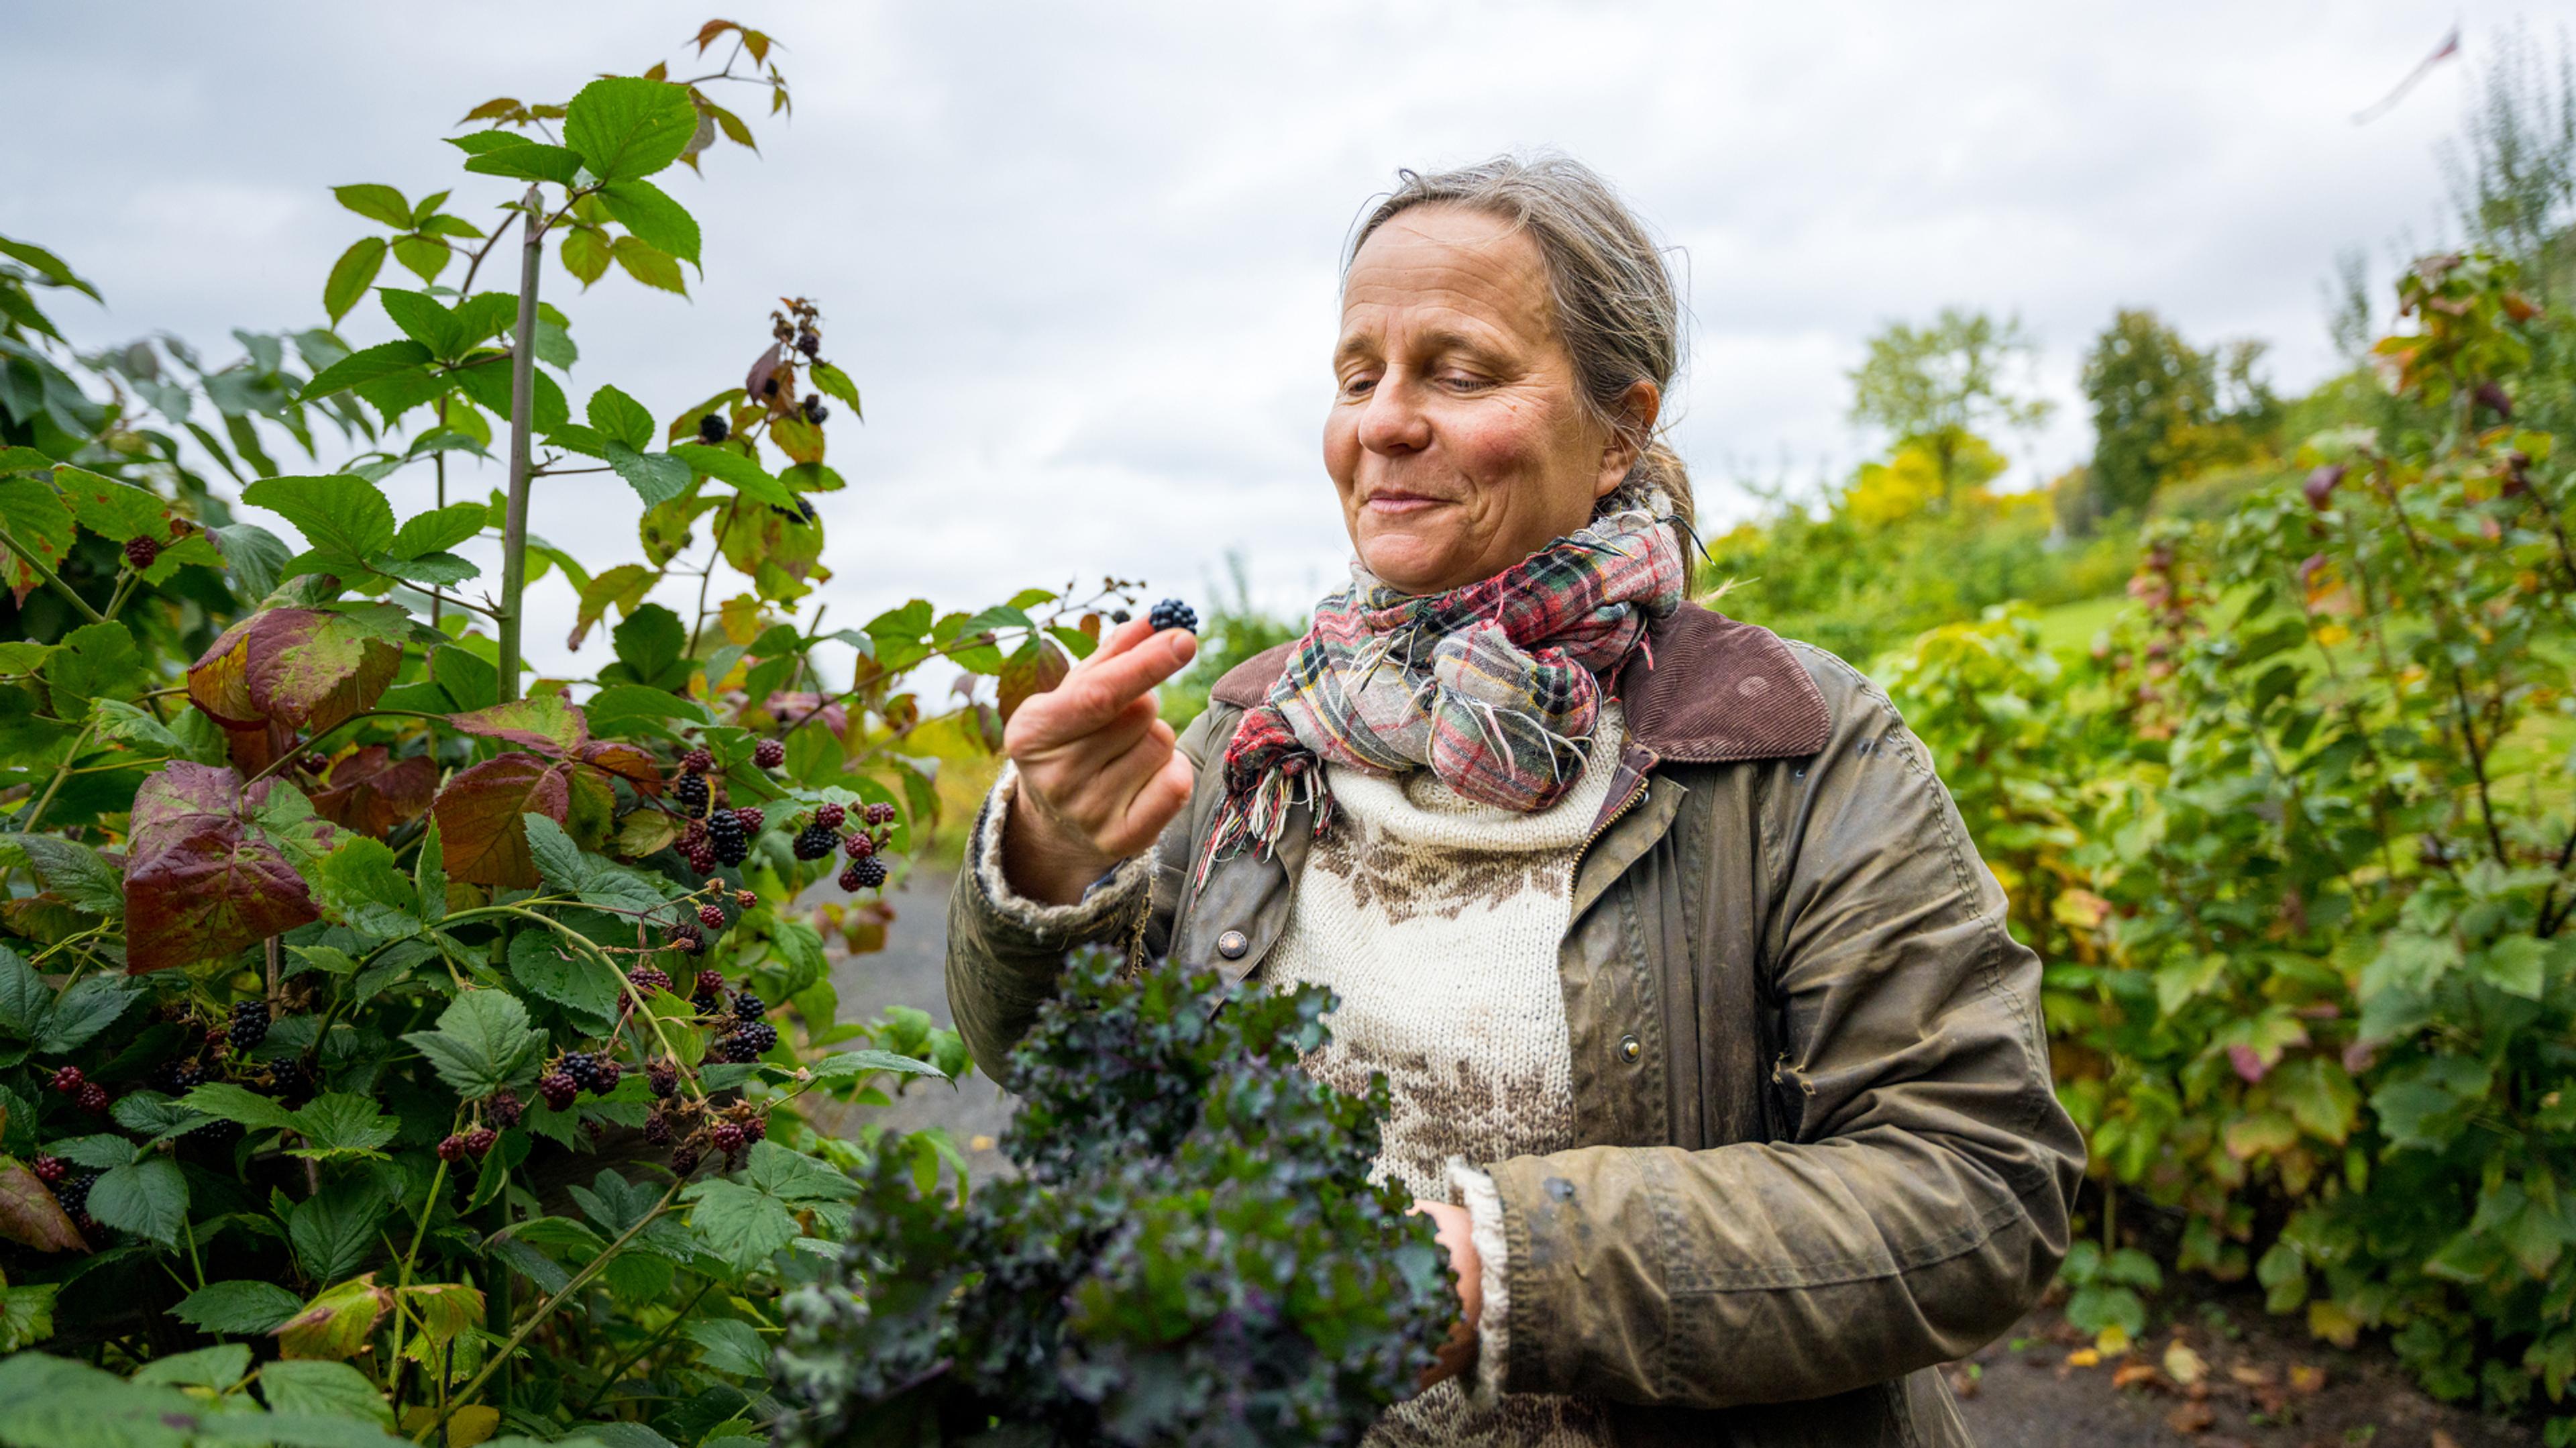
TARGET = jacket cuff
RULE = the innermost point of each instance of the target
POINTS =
(1484, 1203)
(1110, 899)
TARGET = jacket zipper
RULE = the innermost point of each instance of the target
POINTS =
(1644, 779)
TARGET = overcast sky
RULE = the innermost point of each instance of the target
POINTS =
(1080, 259)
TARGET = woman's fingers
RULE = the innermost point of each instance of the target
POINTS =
(1129, 798)
(1096, 689)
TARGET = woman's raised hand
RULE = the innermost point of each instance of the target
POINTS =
(1099, 776)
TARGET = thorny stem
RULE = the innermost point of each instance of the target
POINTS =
(51, 579)
(514, 526)
(546, 1309)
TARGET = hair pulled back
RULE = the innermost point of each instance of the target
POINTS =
(1613, 298)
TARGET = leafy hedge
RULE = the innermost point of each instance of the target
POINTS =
(2296, 845)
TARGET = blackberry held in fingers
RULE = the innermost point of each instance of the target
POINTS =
(1172, 613)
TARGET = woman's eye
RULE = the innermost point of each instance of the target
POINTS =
(1358, 385)
(1462, 381)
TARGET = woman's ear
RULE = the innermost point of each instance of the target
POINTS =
(1638, 408)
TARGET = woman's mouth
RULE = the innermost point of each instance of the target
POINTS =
(1398, 504)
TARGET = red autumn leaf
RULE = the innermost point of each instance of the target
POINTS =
(313, 669)
(30, 1216)
(540, 721)
(791, 710)
(479, 823)
(372, 792)
(219, 681)
(208, 895)
(182, 800)
(1033, 668)
(624, 761)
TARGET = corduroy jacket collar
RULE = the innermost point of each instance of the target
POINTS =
(1704, 689)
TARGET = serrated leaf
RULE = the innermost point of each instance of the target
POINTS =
(729, 1346)
(376, 203)
(544, 967)
(304, 1383)
(341, 514)
(741, 1224)
(438, 530)
(237, 1309)
(480, 816)
(627, 127)
(529, 161)
(656, 477)
(334, 1230)
(148, 1198)
(856, 1063)
(649, 213)
(341, 1125)
(74, 870)
(367, 364)
(228, 1102)
(483, 1043)
(371, 792)
(351, 275)
(113, 510)
(361, 887)
(540, 721)
(620, 418)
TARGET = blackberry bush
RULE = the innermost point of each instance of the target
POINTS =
(1192, 1252)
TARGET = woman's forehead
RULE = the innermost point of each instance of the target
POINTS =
(1446, 269)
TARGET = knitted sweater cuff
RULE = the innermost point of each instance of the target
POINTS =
(1484, 1203)
(1109, 899)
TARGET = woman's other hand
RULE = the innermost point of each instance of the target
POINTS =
(1457, 1233)
(1099, 776)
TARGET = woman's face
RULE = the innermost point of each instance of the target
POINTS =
(1457, 439)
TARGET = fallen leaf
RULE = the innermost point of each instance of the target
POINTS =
(2183, 1365)
(2250, 1375)
(2135, 1375)
(2083, 1357)
(2307, 1379)
(2444, 1440)
(2191, 1418)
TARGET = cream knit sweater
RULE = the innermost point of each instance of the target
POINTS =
(1436, 921)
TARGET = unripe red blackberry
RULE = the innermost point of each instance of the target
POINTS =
(684, 1161)
(51, 1169)
(664, 1078)
(701, 857)
(649, 978)
(816, 841)
(710, 981)
(755, 1128)
(697, 761)
(745, 899)
(69, 1080)
(657, 1129)
(504, 1108)
(869, 873)
(769, 754)
(712, 429)
(750, 818)
(711, 915)
(880, 814)
(479, 1140)
(559, 1090)
(829, 816)
(686, 939)
(451, 1149)
(727, 1137)
(142, 552)
(604, 1074)
(92, 1097)
(859, 847)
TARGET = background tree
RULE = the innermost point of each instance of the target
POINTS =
(2163, 408)
(1940, 384)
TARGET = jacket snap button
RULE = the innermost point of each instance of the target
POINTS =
(1232, 945)
(1629, 1050)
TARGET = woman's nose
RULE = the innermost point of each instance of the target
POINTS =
(1393, 421)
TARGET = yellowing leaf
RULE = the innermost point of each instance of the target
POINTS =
(336, 1324)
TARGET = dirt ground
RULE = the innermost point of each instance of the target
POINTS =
(2260, 1381)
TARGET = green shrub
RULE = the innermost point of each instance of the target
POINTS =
(1192, 1252)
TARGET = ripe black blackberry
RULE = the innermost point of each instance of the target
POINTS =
(142, 552)
(698, 761)
(1172, 613)
(750, 1007)
(250, 1024)
(689, 792)
(504, 1108)
(684, 1161)
(727, 841)
(706, 1003)
(753, 1038)
(73, 1193)
(808, 343)
(583, 1068)
(712, 429)
(649, 978)
(664, 1078)
(817, 840)
(657, 1129)
(687, 939)
(769, 754)
(178, 1078)
(291, 1080)
(865, 874)
(815, 411)
(604, 1073)
(559, 1089)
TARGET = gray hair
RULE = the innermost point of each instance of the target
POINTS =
(1613, 297)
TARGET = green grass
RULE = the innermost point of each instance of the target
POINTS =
(2068, 630)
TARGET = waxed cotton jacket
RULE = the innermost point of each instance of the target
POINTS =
(1822, 1153)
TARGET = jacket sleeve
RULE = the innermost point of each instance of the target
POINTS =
(1915, 1202)
(1005, 951)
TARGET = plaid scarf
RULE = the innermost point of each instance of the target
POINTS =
(1495, 686)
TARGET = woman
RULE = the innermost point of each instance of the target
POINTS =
(1710, 1054)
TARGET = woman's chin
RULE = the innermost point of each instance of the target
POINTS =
(1405, 565)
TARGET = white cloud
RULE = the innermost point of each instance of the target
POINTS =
(1080, 259)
